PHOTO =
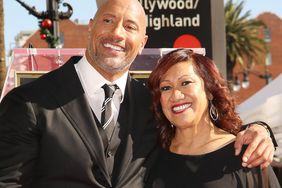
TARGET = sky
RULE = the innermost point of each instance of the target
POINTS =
(17, 18)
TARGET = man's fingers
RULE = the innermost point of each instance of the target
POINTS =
(262, 154)
(239, 142)
(268, 162)
(250, 149)
(258, 152)
(264, 159)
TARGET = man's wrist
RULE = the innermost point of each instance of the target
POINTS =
(260, 124)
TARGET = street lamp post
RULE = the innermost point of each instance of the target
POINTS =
(236, 85)
(245, 80)
(51, 13)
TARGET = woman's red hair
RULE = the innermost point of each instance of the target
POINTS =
(214, 83)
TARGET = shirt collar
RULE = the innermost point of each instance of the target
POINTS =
(93, 80)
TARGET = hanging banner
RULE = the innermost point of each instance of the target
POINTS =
(179, 23)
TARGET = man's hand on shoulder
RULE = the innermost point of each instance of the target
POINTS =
(260, 148)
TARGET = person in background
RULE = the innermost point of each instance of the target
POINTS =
(58, 131)
(197, 126)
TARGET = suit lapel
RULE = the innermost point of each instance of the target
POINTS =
(81, 117)
(71, 97)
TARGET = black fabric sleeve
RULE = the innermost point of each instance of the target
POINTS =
(19, 137)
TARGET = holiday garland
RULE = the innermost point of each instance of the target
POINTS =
(46, 31)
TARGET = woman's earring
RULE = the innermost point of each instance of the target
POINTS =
(172, 126)
(213, 111)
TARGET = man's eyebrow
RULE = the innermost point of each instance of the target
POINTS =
(128, 20)
(108, 14)
(132, 21)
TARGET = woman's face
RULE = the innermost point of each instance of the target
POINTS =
(183, 97)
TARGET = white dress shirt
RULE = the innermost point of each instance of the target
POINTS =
(92, 82)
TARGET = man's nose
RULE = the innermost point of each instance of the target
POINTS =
(118, 32)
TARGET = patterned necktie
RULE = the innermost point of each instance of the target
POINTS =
(107, 115)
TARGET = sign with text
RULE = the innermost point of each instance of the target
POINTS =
(179, 23)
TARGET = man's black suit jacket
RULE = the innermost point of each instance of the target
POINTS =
(49, 138)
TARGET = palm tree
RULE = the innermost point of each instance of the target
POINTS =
(2, 48)
(243, 42)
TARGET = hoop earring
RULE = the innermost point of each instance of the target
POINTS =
(213, 112)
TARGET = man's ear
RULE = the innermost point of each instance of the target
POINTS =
(90, 24)
(143, 43)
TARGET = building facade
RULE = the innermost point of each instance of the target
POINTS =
(274, 23)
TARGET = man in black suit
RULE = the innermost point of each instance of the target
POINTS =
(51, 135)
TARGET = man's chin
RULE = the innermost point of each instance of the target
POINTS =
(115, 62)
(116, 68)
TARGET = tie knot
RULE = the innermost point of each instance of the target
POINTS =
(109, 90)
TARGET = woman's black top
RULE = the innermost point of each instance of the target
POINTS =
(218, 169)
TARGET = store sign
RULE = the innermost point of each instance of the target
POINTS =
(178, 23)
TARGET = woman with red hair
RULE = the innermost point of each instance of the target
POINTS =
(197, 126)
